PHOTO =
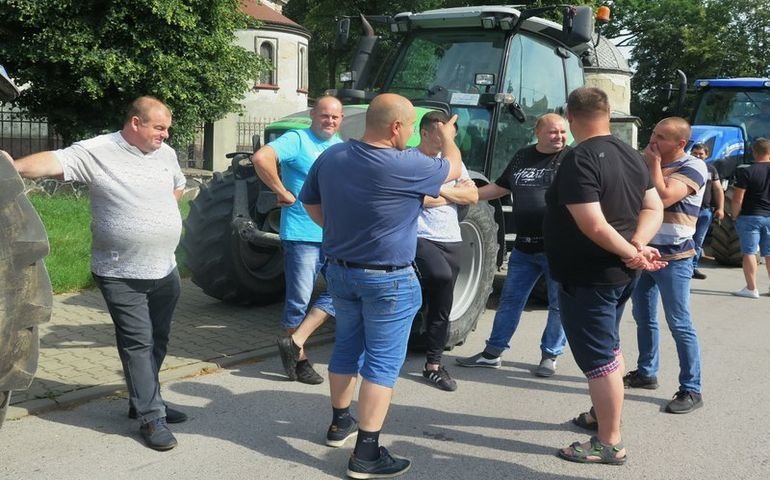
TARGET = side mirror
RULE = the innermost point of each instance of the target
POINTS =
(578, 24)
(343, 33)
(256, 143)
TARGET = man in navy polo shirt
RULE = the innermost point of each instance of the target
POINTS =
(370, 238)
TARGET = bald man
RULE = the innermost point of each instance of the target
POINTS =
(527, 177)
(296, 151)
(134, 184)
(367, 195)
(679, 179)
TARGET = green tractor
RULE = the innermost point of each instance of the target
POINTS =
(497, 68)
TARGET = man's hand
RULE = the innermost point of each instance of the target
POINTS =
(652, 155)
(719, 213)
(285, 198)
(647, 258)
(448, 130)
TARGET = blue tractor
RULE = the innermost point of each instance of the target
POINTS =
(729, 114)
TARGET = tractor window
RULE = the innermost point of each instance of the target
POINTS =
(535, 75)
(435, 64)
(749, 109)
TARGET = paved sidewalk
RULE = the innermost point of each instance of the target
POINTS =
(79, 361)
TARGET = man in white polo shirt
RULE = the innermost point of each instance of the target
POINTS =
(134, 183)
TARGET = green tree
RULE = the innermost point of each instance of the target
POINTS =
(703, 38)
(85, 60)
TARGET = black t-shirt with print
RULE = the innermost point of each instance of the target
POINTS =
(601, 169)
(528, 176)
(755, 179)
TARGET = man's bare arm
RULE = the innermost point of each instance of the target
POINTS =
(265, 162)
(719, 198)
(670, 190)
(315, 213)
(591, 221)
(38, 165)
(737, 203)
(464, 193)
(491, 191)
(449, 149)
(650, 219)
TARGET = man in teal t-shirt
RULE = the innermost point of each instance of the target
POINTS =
(296, 151)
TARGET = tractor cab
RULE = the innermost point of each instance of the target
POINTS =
(729, 115)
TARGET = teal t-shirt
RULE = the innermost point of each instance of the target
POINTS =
(297, 150)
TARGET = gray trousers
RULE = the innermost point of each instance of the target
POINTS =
(141, 311)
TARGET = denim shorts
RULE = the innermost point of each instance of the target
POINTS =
(375, 310)
(591, 319)
(754, 232)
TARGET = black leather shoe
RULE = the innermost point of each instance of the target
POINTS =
(698, 275)
(289, 356)
(172, 416)
(157, 435)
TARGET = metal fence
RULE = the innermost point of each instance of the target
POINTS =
(247, 128)
(21, 135)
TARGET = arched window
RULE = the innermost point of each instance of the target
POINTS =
(302, 80)
(267, 51)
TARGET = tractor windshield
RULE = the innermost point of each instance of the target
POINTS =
(749, 109)
(444, 66)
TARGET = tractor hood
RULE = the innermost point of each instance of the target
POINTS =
(726, 145)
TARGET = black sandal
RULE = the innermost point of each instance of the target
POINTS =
(599, 453)
(582, 420)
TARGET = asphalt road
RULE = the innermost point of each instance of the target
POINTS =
(248, 422)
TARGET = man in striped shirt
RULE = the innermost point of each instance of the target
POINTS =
(679, 179)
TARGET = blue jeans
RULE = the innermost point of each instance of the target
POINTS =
(523, 272)
(701, 229)
(302, 262)
(672, 284)
(375, 310)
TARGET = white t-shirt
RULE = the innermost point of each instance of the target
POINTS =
(440, 224)
(135, 220)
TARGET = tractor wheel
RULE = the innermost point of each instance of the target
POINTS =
(25, 289)
(474, 283)
(221, 263)
(725, 244)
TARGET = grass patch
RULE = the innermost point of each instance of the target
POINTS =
(67, 220)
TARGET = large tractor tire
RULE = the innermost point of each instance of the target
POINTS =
(221, 263)
(725, 244)
(474, 283)
(25, 289)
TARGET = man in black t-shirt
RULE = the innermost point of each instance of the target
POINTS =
(751, 210)
(527, 177)
(602, 210)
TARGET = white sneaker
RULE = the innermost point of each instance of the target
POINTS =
(746, 293)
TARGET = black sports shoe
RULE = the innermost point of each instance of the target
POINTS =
(633, 380)
(289, 356)
(440, 378)
(157, 435)
(336, 437)
(684, 402)
(307, 374)
(387, 466)
(172, 416)
(698, 275)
